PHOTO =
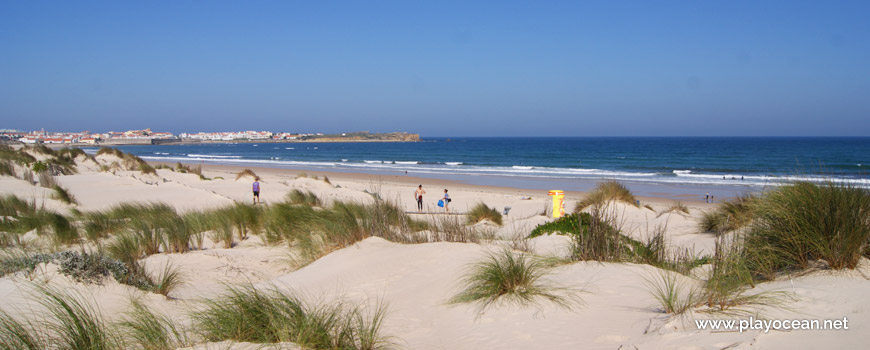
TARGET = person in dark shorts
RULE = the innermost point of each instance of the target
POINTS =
(256, 187)
(418, 195)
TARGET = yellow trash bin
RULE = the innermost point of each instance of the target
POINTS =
(558, 203)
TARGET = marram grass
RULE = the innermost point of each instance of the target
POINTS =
(248, 314)
(511, 278)
(482, 212)
(604, 192)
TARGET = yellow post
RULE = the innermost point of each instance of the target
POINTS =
(558, 202)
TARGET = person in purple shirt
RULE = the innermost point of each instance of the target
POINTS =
(256, 190)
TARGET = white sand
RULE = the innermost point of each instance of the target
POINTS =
(416, 281)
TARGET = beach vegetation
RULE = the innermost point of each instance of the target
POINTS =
(648, 207)
(20, 157)
(248, 314)
(308, 198)
(110, 151)
(148, 330)
(63, 195)
(449, 228)
(326, 179)
(512, 278)
(144, 168)
(69, 322)
(482, 212)
(168, 280)
(46, 180)
(247, 172)
(604, 192)
(676, 207)
(674, 292)
(800, 223)
(729, 215)
(7, 168)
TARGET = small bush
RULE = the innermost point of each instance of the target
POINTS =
(482, 212)
(512, 278)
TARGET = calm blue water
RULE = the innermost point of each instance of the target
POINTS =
(679, 161)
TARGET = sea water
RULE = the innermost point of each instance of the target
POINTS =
(697, 162)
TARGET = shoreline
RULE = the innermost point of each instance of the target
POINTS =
(411, 181)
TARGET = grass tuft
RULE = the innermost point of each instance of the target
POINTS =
(247, 314)
(674, 292)
(246, 172)
(305, 198)
(168, 280)
(63, 195)
(729, 215)
(151, 331)
(677, 207)
(511, 278)
(482, 212)
(604, 192)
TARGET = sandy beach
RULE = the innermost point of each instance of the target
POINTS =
(614, 306)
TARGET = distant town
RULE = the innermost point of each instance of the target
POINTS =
(146, 136)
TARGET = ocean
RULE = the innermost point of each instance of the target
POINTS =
(736, 163)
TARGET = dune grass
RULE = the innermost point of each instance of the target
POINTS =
(7, 168)
(482, 212)
(247, 172)
(168, 280)
(604, 192)
(63, 195)
(68, 323)
(308, 198)
(674, 292)
(676, 207)
(247, 314)
(145, 168)
(805, 222)
(151, 331)
(46, 180)
(511, 278)
(729, 215)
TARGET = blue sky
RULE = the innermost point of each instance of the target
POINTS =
(440, 68)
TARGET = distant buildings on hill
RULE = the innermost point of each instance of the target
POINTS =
(147, 136)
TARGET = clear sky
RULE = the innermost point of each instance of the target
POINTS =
(440, 68)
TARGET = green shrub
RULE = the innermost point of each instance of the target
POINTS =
(482, 212)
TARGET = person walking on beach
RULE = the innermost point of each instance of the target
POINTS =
(446, 201)
(418, 195)
(707, 198)
(256, 188)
